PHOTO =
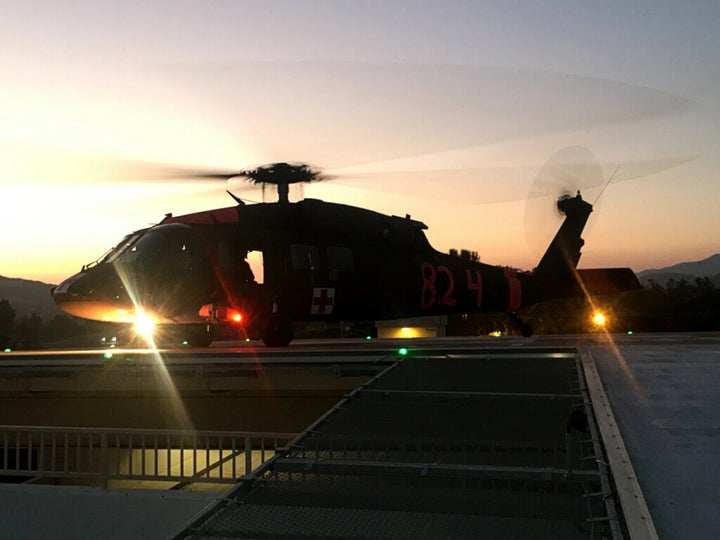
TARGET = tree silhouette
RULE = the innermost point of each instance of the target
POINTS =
(29, 332)
(7, 317)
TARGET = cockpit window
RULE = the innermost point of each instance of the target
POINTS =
(165, 245)
(145, 250)
(121, 248)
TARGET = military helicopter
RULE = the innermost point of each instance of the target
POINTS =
(321, 261)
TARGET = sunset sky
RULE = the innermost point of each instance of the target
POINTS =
(448, 111)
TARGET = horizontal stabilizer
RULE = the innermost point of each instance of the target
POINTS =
(608, 280)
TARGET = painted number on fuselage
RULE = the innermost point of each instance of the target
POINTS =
(432, 294)
(474, 283)
(438, 288)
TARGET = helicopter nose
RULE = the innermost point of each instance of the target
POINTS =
(66, 288)
(83, 295)
(67, 294)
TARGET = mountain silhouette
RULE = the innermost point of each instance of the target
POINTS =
(689, 271)
(28, 297)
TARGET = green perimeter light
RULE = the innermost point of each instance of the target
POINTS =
(402, 351)
(108, 355)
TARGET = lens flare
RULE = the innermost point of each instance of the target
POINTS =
(144, 325)
(145, 321)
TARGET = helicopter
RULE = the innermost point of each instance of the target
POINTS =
(320, 261)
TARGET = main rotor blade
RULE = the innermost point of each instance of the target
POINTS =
(339, 113)
(213, 176)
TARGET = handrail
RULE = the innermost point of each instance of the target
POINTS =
(105, 455)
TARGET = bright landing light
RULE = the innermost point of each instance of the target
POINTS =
(599, 319)
(144, 326)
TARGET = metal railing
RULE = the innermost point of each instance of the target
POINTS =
(166, 459)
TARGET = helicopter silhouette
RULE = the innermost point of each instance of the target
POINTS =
(321, 261)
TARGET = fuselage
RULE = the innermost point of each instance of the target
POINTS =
(314, 261)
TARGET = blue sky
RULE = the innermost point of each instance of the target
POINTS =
(444, 110)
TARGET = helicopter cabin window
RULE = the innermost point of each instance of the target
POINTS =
(304, 257)
(240, 263)
(257, 265)
(340, 261)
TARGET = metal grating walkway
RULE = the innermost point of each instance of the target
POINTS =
(497, 443)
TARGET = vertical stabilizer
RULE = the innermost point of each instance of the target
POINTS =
(556, 269)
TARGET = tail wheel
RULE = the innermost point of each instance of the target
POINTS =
(526, 329)
(278, 331)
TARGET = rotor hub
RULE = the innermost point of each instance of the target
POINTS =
(282, 175)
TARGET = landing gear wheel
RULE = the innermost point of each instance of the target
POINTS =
(278, 332)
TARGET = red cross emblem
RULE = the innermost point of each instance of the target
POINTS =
(322, 302)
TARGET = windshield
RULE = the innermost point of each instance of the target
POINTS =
(141, 250)
(121, 248)
(114, 252)
(165, 245)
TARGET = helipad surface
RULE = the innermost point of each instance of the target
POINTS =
(664, 391)
(665, 394)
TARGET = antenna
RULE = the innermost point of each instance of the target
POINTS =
(606, 184)
(235, 198)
